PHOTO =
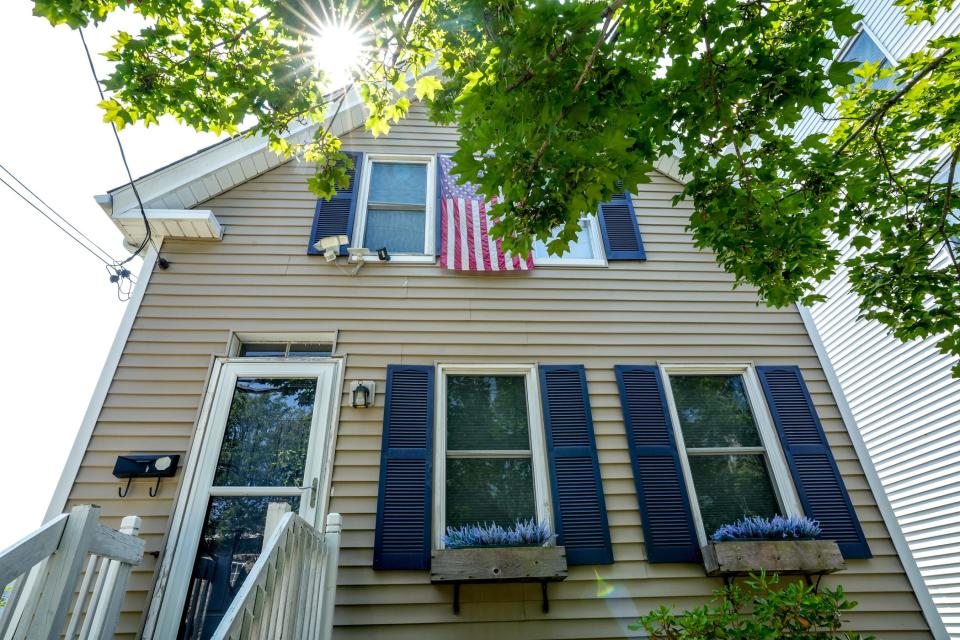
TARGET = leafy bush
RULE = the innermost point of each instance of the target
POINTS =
(760, 612)
(527, 532)
(776, 528)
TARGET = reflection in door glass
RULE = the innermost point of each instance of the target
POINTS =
(268, 429)
(230, 544)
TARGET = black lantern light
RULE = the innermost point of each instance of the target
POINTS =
(361, 396)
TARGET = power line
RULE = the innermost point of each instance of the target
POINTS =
(62, 228)
(148, 236)
(109, 259)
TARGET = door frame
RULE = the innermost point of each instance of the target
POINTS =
(180, 547)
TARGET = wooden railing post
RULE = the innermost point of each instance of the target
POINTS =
(47, 609)
(331, 540)
(105, 607)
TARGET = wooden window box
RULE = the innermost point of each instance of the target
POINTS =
(741, 557)
(498, 564)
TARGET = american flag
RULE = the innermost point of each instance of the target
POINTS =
(465, 242)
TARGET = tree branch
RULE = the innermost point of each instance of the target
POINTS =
(892, 100)
(600, 39)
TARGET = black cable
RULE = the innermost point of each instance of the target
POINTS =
(54, 212)
(62, 228)
(148, 236)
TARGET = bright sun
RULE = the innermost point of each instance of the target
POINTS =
(338, 51)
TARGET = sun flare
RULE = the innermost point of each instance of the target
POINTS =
(338, 51)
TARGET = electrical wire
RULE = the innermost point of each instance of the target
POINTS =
(118, 273)
(108, 258)
(148, 236)
(62, 228)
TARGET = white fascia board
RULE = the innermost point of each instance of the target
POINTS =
(180, 224)
(910, 567)
(194, 169)
(72, 467)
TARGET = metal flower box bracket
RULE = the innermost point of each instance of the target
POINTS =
(742, 557)
(498, 564)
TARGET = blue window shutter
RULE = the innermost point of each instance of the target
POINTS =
(668, 528)
(404, 506)
(581, 513)
(618, 225)
(815, 473)
(335, 216)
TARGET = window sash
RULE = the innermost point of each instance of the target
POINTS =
(773, 456)
(591, 227)
(364, 205)
(537, 437)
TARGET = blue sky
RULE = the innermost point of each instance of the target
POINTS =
(59, 312)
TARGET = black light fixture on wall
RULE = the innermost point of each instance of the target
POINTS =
(145, 465)
(362, 394)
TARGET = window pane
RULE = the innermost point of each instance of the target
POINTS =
(263, 350)
(310, 350)
(496, 490)
(265, 441)
(581, 248)
(398, 231)
(400, 183)
(487, 412)
(230, 544)
(864, 49)
(731, 487)
(714, 411)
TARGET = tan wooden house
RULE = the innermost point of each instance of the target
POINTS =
(624, 394)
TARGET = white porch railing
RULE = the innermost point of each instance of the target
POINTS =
(47, 566)
(289, 593)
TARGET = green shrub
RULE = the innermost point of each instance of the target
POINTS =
(759, 610)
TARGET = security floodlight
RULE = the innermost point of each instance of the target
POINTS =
(331, 242)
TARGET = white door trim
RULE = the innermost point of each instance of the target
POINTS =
(179, 550)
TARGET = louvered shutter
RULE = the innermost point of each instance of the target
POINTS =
(621, 234)
(581, 513)
(335, 216)
(815, 473)
(404, 505)
(668, 528)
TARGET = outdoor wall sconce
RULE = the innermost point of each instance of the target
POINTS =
(362, 394)
(145, 465)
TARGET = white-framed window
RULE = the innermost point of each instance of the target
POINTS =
(864, 47)
(585, 251)
(489, 447)
(730, 453)
(396, 207)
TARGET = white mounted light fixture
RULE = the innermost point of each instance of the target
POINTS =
(330, 246)
(357, 255)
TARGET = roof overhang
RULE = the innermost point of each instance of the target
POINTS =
(183, 224)
(218, 168)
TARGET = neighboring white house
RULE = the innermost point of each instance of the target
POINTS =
(902, 395)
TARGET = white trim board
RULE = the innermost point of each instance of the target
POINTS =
(930, 613)
(72, 467)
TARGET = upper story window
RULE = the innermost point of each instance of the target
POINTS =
(285, 350)
(395, 209)
(729, 451)
(490, 465)
(864, 48)
(586, 250)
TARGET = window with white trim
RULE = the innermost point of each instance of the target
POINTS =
(396, 206)
(490, 462)
(863, 48)
(729, 450)
(586, 250)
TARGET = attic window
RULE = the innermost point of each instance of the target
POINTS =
(285, 350)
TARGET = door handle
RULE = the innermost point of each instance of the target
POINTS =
(313, 491)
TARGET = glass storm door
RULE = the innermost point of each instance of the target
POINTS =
(266, 443)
